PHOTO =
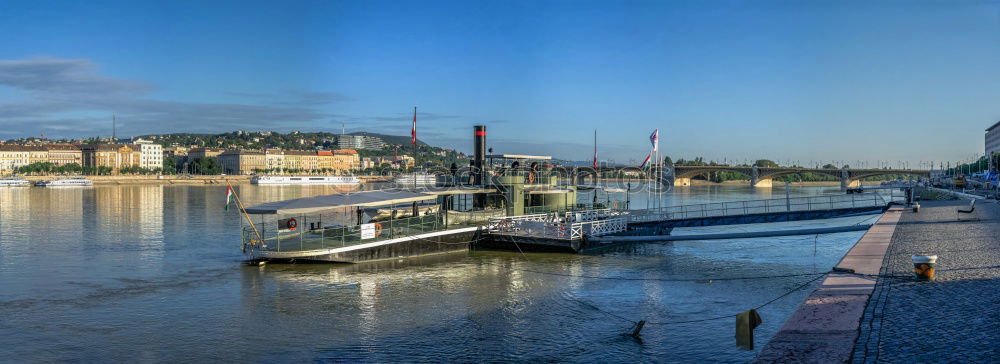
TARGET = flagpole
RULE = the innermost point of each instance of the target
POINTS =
(649, 185)
(414, 171)
(244, 212)
(655, 141)
(659, 174)
(656, 170)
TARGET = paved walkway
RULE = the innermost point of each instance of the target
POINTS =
(955, 318)
(824, 328)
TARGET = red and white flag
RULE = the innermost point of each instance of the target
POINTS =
(413, 132)
(643, 165)
(229, 196)
(654, 139)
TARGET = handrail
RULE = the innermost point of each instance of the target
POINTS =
(735, 208)
(343, 236)
(560, 229)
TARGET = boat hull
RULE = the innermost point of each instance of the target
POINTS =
(454, 240)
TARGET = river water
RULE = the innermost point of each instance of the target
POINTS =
(147, 273)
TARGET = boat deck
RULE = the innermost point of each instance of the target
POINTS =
(325, 239)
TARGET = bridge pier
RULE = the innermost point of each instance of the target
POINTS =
(763, 182)
(848, 183)
(682, 182)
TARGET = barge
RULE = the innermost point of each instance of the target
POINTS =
(305, 180)
(444, 219)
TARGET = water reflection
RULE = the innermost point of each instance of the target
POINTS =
(122, 273)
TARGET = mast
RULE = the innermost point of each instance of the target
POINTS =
(597, 175)
(114, 128)
(260, 239)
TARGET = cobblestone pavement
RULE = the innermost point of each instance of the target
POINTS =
(955, 318)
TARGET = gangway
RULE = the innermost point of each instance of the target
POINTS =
(576, 230)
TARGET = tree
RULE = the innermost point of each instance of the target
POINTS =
(206, 165)
(765, 163)
(169, 166)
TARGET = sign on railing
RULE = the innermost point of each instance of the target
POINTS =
(367, 231)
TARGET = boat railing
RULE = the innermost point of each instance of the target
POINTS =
(341, 236)
(571, 208)
(557, 229)
(322, 238)
(565, 225)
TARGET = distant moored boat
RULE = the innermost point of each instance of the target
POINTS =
(422, 179)
(14, 182)
(66, 182)
(305, 180)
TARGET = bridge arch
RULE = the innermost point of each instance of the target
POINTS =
(690, 173)
(835, 173)
(858, 176)
(582, 174)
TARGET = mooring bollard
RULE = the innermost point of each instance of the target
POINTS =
(923, 266)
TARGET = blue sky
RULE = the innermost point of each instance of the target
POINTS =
(804, 81)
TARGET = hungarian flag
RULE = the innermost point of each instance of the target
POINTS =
(643, 165)
(413, 131)
(229, 196)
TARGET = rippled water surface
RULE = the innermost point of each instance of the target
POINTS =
(153, 273)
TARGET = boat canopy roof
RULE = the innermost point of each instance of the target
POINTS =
(599, 187)
(357, 199)
(519, 156)
(457, 190)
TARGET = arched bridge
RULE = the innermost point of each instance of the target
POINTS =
(758, 176)
(763, 176)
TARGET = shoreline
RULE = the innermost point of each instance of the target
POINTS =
(235, 179)
(177, 179)
(825, 327)
(701, 182)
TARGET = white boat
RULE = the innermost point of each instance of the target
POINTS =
(66, 182)
(14, 182)
(423, 179)
(305, 180)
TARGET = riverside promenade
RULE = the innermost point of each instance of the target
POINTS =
(955, 318)
(824, 328)
(883, 314)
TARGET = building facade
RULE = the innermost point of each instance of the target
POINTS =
(37, 154)
(65, 154)
(993, 139)
(242, 162)
(12, 156)
(308, 161)
(196, 153)
(368, 162)
(363, 142)
(150, 155)
(274, 160)
(114, 156)
(345, 160)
